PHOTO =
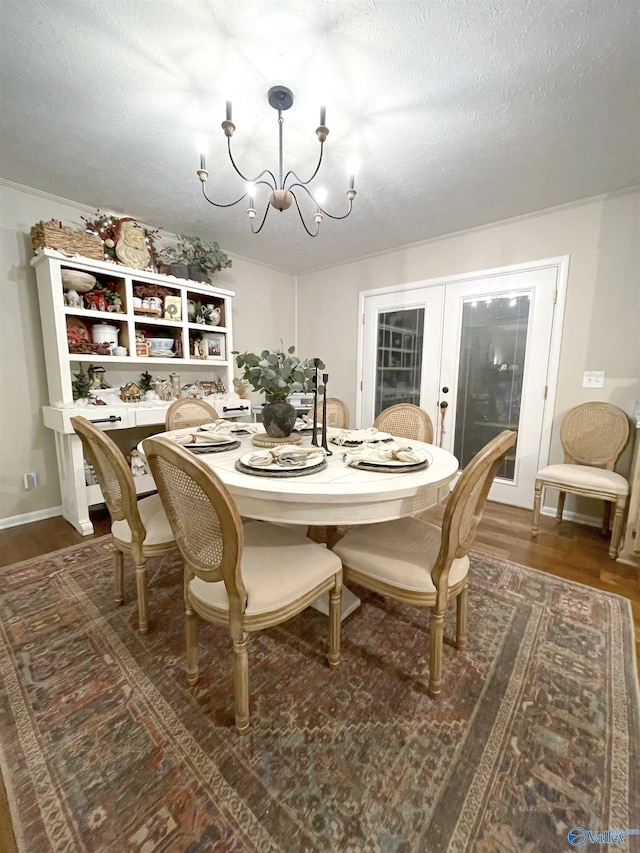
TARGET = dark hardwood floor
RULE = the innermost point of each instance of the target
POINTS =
(568, 550)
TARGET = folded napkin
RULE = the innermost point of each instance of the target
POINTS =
(305, 422)
(378, 455)
(199, 438)
(353, 436)
(223, 427)
(287, 455)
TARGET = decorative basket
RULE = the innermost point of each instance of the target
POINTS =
(54, 235)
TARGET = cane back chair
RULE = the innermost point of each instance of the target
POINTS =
(418, 563)
(246, 577)
(406, 421)
(139, 528)
(189, 412)
(593, 435)
(337, 413)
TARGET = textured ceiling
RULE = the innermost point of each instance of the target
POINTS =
(460, 113)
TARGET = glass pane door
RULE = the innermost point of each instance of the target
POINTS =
(491, 367)
(399, 357)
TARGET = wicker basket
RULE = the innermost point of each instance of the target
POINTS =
(54, 235)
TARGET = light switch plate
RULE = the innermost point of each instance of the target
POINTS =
(593, 379)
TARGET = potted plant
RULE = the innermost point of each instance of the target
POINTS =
(200, 258)
(277, 374)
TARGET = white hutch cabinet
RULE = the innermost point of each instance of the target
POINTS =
(61, 364)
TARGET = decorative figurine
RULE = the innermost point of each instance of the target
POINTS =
(73, 299)
(116, 305)
(138, 468)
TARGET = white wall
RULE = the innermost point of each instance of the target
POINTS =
(263, 314)
(602, 313)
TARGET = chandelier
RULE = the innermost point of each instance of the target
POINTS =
(283, 188)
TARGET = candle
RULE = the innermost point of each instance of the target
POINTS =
(228, 110)
(323, 116)
(201, 160)
(352, 181)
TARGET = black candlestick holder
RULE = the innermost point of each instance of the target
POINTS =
(325, 379)
(314, 434)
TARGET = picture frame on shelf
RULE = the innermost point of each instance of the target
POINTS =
(215, 346)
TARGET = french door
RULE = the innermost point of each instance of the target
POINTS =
(479, 354)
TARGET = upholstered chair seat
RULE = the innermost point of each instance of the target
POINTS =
(269, 552)
(401, 553)
(154, 519)
(585, 477)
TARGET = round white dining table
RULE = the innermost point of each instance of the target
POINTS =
(338, 495)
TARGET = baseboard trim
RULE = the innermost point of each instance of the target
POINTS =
(578, 517)
(29, 517)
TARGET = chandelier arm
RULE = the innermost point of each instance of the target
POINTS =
(216, 204)
(299, 180)
(264, 219)
(320, 207)
(250, 180)
(304, 224)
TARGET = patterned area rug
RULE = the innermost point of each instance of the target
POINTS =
(105, 748)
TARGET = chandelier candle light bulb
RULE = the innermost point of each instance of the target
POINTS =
(287, 187)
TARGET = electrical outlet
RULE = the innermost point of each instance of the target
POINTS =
(593, 379)
(30, 480)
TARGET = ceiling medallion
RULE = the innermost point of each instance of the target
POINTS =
(282, 189)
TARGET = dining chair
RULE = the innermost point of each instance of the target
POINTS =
(246, 577)
(406, 420)
(189, 412)
(139, 528)
(593, 435)
(337, 413)
(418, 563)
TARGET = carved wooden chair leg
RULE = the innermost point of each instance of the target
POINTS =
(143, 597)
(535, 524)
(461, 618)
(118, 576)
(191, 625)
(335, 615)
(616, 532)
(435, 661)
(241, 682)
(560, 510)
